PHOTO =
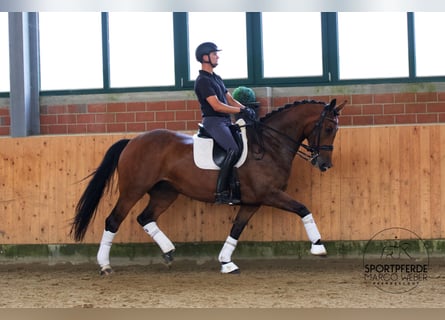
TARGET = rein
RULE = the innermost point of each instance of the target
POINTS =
(312, 151)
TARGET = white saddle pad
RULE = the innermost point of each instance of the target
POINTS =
(203, 150)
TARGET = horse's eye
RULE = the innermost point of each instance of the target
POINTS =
(329, 130)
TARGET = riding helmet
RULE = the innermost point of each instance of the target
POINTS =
(204, 49)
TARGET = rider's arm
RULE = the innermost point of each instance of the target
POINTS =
(219, 106)
(233, 102)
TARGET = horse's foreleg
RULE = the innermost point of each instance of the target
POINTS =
(240, 222)
(162, 195)
(283, 201)
(317, 248)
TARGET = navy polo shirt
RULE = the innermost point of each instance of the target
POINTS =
(207, 85)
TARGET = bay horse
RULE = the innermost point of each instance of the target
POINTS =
(160, 163)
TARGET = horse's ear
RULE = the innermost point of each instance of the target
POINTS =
(340, 107)
(332, 104)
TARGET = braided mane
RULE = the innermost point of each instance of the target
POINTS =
(289, 105)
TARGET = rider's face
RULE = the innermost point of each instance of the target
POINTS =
(214, 58)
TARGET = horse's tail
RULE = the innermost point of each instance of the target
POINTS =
(89, 201)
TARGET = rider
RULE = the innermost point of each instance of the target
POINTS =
(217, 105)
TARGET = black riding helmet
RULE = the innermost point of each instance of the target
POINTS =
(205, 48)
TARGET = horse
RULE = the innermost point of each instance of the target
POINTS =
(160, 162)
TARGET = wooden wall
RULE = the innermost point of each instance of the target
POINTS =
(382, 177)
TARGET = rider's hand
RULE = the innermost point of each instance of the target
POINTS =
(248, 113)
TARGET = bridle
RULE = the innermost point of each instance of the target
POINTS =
(312, 152)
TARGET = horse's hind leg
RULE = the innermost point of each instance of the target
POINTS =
(112, 223)
(162, 195)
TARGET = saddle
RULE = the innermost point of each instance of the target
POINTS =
(209, 155)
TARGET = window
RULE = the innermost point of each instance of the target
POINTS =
(429, 45)
(141, 49)
(292, 44)
(70, 50)
(156, 50)
(4, 52)
(228, 31)
(373, 45)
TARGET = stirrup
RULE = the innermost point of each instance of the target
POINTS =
(225, 198)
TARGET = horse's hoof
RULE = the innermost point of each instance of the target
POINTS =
(230, 268)
(318, 250)
(237, 271)
(168, 258)
(106, 271)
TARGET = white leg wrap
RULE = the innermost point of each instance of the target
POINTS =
(311, 228)
(159, 237)
(103, 255)
(313, 235)
(226, 252)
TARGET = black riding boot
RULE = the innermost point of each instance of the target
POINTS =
(223, 195)
(235, 186)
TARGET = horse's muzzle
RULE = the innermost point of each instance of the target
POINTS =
(321, 164)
